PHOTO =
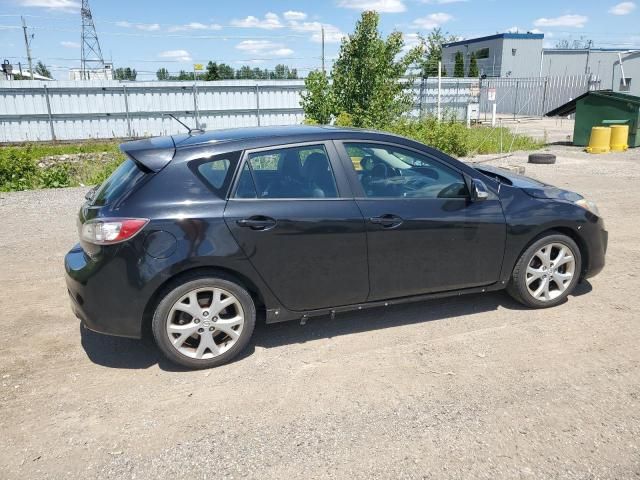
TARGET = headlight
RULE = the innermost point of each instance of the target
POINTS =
(589, 206)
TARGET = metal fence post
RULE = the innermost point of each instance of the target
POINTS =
(258, 103)
(421, 105)
(126, 108)
(195, 105)
(515, 102)
(544, 96)
(46, 96)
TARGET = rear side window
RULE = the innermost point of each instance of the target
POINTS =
(298, 172)
(216, 171)
(121, 181)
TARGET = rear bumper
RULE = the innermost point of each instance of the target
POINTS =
(102, 296)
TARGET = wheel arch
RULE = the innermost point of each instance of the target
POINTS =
(195, 272)
(562, 230)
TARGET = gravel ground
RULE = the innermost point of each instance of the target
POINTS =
(469, 387)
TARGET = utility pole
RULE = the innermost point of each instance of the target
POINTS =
(27, 46)
(322, 32)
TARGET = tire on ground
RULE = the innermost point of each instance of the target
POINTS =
(517, 286)
(178, 290)
(542, 158)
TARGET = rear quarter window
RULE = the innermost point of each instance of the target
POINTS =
(216, 172)
(121, 182)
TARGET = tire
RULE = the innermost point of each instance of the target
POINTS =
(196, 336)
(542, 158)
(560, 274)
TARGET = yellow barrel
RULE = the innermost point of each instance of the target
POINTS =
(600, 140)
(619, 136)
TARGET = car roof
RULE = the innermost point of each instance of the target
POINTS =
(285, 134)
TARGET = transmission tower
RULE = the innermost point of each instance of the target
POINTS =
(91, 54)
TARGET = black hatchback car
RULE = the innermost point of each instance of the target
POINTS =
(193, 234)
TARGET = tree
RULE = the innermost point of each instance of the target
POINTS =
(212, 72)
(244, 73)
(367, 76)
(125, 73)
(226, 72)
(473, 66)
(41, 69)
(432, 48)
(283, 72)
(317, 102)
(458, 69)
(162, 74)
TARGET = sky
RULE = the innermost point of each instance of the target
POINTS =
(149, 34)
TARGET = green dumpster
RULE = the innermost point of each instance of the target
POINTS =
(606, 108)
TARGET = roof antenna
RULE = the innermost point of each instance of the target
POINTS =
(191, 131)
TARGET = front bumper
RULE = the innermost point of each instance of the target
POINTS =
(102, 294)
(597, 240)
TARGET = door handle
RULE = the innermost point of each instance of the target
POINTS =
(387, 221)
(257, 223)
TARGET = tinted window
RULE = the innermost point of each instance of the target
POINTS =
(389, 171)
(216, 171)
(119, 183)
(300, 172)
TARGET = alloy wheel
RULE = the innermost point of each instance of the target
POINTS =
(550, 271)
(205, 323)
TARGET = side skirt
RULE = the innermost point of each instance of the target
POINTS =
(276, 315)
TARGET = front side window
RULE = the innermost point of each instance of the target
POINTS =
(387, 171)
(298, 172)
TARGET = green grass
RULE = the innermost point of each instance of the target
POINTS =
(456, 139)
(19, 168)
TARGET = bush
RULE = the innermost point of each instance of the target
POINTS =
(19, 169)
(449, 136)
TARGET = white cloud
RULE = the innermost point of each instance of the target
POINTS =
(68, 44)
(147, 27)
(442, 2)
(194, 26)
(179, 55)
(382, 6)
(513, 29)
(332, 34)
(65, 5)
(294, 15)
(432, 21)
(576, 21)
(264, 47)
(269, 22)
(624, 8)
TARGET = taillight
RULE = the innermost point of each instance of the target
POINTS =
(107, 231)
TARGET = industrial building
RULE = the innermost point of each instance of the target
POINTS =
(598, 62)
(520, 55)
(631, 67)
(500, 55)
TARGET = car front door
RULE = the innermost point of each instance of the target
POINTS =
(424, 233)
(299, 225)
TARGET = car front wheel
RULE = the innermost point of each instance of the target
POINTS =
(547, 272)
(204, 322)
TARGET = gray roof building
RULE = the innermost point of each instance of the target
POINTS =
(598, 62)
(631, 68)
(500, 55)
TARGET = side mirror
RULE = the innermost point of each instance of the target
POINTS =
(479, 190)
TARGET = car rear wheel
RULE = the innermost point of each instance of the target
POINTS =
(546, 272)
(204, 322)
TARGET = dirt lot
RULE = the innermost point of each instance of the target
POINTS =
(470, 387)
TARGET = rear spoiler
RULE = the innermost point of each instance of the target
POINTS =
(151, 153)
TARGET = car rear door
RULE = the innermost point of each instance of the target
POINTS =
(424, 233)
(292, 212)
